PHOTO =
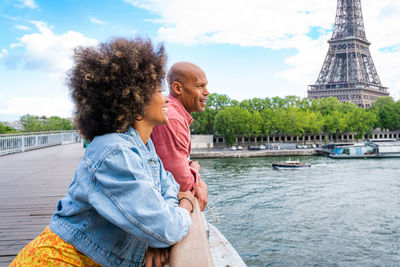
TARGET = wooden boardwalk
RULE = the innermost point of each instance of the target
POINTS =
(31, 183)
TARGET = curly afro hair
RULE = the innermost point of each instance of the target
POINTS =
(112, 83)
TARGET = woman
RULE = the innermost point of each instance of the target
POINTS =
(121, 202)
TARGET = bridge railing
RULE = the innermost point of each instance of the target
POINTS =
(12, 143)
(193, 250)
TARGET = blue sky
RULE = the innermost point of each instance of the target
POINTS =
(252, 48)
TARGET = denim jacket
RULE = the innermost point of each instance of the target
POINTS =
(120, 201)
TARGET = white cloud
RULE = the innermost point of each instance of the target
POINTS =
(22, 27)
(37, 106)
(3, 53)
(97, 21)
(14, 45)
(47, 51)
(50, 55)
(27, 3)
(278, 25)
(265, 23)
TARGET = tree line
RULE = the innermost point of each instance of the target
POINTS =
(292, 116)
(32, 123)
(255, 117)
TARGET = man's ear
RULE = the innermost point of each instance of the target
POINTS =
(177, 88)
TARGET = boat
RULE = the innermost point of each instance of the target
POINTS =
(290, 164)
(327, 149)
(369, 149)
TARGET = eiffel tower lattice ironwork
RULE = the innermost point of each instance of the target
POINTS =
(348, 72)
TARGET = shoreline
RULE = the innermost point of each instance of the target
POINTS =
(204, 153)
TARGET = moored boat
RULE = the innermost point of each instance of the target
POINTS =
(290, 164)
(370, 149)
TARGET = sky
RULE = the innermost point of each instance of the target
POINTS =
(252, 48)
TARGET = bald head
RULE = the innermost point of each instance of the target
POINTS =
(188, 83)
(182, 72)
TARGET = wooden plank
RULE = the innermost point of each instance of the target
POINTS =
(31, 183)
(5, 260)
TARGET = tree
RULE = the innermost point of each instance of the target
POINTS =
(335, 123)
(387, 112)
(360, 121)
(255, 104)
(232, 121)
(6, 129)
(325, 105)
(254, 124)
(267, 123)
(204, 121)
(31, 123)
(294, 116)
(313, 122)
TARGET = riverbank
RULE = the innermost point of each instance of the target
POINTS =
(225, 153)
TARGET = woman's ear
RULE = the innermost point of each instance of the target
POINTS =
(177, 88)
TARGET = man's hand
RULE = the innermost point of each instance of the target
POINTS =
(157, 257)
(195, 165)
(202, 194)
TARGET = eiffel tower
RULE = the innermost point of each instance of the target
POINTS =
(348, 72)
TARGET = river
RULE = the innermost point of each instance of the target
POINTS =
(336, 213)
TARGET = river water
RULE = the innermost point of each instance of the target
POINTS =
(336, 213)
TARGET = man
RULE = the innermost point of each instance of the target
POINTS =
(187, 93)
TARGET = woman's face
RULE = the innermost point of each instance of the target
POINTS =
(156, 110)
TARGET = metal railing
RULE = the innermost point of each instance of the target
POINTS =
(12, 143)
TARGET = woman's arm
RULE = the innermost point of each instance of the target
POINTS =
(124, 193)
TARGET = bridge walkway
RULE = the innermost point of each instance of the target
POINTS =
(31, 183)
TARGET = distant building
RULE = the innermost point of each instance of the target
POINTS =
(14, 124)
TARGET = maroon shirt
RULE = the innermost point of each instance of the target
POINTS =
(173, 145)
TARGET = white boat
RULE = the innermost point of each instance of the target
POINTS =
(370, 149)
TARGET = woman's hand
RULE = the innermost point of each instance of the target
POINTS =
(157, 257)
(186, 200)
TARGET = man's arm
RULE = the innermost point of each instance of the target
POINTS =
(172, 145)
(201, 190)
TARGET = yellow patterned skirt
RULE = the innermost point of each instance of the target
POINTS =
(49, 250)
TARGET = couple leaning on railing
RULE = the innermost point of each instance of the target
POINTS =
(122, 207)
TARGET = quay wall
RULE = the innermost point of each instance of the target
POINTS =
(306, 139)
(200, 154)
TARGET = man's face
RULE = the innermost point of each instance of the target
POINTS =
(194, 93)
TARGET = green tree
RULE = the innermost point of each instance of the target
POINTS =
(292, 115)
(313, 122)
(255, 104)
(335, 123)
(6, 129)
(360, 121)
(268, 117)
(325, 105)
(387, 112)
(232, 121)
(31, 123)
(56, 123)
(204, 121)
(254, 124)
